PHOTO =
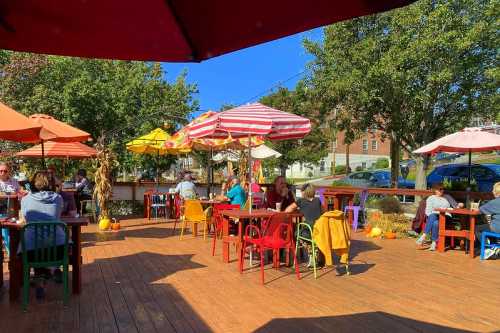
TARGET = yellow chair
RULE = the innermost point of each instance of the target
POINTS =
(193, 213)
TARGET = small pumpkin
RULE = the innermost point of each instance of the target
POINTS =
(375, 232)
(368, 228)
(390, 235)
(115, 225)
(104, 223)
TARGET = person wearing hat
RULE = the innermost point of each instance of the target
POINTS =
(186, 188)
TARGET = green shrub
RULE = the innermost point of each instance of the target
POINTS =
(359, 168)
(340, 183)
(310, 174)
(340, 169)
(382, 163)
(459, 185)
(390, 205)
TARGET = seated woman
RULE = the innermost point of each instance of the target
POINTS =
(279, 194)
(42, 204)
(69, 208)
(491, 208)
(186, 188)
(310, 206)
(433, 202)
(236, 194)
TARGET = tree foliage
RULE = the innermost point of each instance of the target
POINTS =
(416, 73)
(116, 99)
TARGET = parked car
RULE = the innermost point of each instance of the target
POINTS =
(485, 175)
(377, 178)
(447, 156)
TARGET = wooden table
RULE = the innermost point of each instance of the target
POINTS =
(15, 262)
(467, 234)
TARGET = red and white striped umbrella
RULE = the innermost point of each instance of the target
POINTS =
(252, 119)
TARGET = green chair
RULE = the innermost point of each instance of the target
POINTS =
(300, 227)
(45, 253)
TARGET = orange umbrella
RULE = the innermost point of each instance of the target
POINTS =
(16, 127)
(60, 150)
(55, 130)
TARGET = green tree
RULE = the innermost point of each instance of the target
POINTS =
(416, 73)
(116, 99)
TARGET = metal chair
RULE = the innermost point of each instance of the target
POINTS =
(44, 254)
(356, 209)
(159, 203)
(305, 226)
(491, 245)
(93, 209)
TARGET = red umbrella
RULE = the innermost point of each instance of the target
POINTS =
(16, 127)
(72, 150)
(251, 120)
(165, 30)
(55, 130)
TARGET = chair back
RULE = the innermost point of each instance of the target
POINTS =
(177, 206)
(320, 193)
(363, 196)
(192, 208)
(158, 198)
(278, 228)
(43, 236)
(258, 199)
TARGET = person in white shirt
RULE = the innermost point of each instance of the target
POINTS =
(186, 188)
(7, 183)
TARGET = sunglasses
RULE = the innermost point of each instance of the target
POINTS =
(4, 171)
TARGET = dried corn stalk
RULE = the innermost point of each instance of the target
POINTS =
(103, 189)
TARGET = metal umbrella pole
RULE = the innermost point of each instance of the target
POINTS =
(467, 199)
(250, 174)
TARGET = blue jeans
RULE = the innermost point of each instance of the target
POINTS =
(432, 226)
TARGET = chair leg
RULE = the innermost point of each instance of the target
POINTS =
(175, 224)
(261, 265)
(213, 242)
(295, 262)
(241, 258)
(65, 285)
(314, 259)
(205, 230)
(26, 287)
(355, 219)
(183, 226)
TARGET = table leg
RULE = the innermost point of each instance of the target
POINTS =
(336, 205)
(225, 244)
(195, 229)
(442, 228)
(146, 210)
(472, 235)
(15, 266)
(77, 259)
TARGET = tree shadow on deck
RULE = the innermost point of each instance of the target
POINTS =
(360, 322)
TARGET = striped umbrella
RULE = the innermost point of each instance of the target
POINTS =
(252, 120)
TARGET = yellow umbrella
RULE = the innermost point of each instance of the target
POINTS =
(151, 143)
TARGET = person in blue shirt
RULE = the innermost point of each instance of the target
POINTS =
(236, 195)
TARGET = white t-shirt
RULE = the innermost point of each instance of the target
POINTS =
(9, 186)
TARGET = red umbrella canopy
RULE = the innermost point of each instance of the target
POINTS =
(172, 30)
(252, 119)
(55, 130)
(16, 127)
(74, 150)
(471, 139)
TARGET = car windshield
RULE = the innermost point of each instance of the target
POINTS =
(382, 175)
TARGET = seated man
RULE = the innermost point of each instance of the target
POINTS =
(491, 208)
(83, 190)
(279, 194)
(186, 188)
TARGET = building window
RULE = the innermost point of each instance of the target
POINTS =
(322, 166)
(374, 145)
(365, 145)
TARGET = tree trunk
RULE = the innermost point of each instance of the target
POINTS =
(334, 158)
(421, 166)
(347, 168)
(283, 170)
(395, 158)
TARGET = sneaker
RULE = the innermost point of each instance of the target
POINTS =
(488, 253)
(421, 240)
(433, 246)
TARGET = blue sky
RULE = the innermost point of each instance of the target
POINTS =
(240, 76)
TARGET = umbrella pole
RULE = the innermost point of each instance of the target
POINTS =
(158, 170)
(467, 200)
(250, 173)
(209, 174)
(43, 156)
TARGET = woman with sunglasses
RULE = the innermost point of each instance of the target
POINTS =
(433, 202)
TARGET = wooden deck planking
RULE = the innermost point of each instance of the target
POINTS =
(168, 285)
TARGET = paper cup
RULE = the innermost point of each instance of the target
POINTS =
(278, 206)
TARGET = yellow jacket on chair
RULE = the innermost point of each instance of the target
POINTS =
(331, 232)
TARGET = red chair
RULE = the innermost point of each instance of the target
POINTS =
(219, 219)
(275, 234)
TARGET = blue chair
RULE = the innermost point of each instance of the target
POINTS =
(363, 196)
(492, 245)
(159, 203)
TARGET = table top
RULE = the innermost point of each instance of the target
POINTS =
(213, 202)
(459, 211)
(70, 221)
(256, 213)
(9, 196)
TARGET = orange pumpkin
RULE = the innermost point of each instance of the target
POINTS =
(115, 225)
(390, 235)
(368, 228)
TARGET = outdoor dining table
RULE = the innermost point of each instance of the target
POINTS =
(15, 261)
(469, 234)
(241, 216)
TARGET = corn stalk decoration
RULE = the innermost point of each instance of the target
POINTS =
(106, 160)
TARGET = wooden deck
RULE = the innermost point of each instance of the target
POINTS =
(145, 279)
